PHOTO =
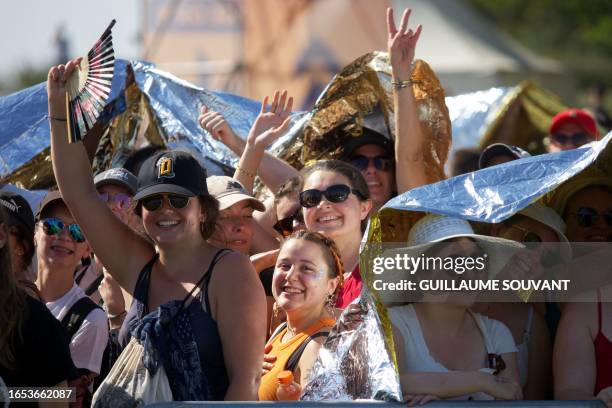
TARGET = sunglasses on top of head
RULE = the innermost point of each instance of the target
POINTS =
(587, 217)
(577, 139)
(285, 225)
(55, 226)
(381, 163)
(123, 200)
(154, 203)
(334, 194)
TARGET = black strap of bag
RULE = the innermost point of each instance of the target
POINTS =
(294, 359)
(73, 320)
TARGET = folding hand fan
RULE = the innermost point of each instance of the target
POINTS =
(89, 86)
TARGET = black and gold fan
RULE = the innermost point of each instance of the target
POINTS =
(89, 86)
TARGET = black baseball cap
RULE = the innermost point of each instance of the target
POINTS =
(171, 171)
(500, 149)
(17, 209)
(118, 176)
(368, 136)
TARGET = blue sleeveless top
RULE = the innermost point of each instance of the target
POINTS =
(182, 337)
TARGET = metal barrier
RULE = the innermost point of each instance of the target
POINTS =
(378, 404)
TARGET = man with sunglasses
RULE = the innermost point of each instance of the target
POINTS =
(60, 246)
(571, 129)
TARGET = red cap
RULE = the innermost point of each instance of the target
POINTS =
(577, 116)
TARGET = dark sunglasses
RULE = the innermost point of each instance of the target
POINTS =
(529, 238)
(285, 226)
(123, 200)
(532, 240)
(587, 217)
(577, 139)
(334, 194)
(381, 163)
(154, 203)
(54, 226)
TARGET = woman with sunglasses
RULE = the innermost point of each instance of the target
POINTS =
(336, 202)
(181, 281)
(307, 277)
(60, 246)
(584, 337)
(33, 347)
(444, 350)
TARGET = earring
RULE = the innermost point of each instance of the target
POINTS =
(330, 303)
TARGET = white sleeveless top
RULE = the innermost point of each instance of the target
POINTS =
(498, 340)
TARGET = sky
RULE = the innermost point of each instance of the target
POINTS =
(28, 27)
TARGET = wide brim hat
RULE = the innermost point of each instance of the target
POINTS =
(552, 220)
(433, 229)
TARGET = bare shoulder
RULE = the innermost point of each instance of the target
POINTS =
(234, 266)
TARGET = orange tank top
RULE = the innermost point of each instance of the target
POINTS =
(283, 351)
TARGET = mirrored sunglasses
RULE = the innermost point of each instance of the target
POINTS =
(123, 200)
(54, 226)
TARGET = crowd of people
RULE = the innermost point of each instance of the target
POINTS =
(172, 284)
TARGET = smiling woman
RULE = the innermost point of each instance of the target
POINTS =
(336, 203)
(179, 291)
(307, 278)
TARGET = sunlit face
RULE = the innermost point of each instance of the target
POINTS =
(580, 227)
(169, 226)
(334, 220)
(381, 183)
(567, 129)
(59, 250)
(301, 279)
(235, 227)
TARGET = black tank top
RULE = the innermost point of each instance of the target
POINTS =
(205, 329)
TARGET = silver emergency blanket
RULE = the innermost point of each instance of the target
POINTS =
(496, 193)
(354, 362)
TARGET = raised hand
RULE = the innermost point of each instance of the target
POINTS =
(401, 44)
(56, 87)
(272, 121)
(216, 125)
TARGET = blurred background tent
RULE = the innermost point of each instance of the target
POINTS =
(252, 46)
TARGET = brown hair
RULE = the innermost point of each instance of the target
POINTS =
(13, 306)
(26, 239)
(290, 186)
(331, 253)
